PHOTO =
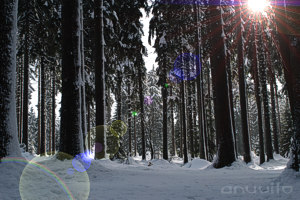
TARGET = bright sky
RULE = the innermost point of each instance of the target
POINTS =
(150, 60)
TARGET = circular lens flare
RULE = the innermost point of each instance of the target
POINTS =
(258, 5)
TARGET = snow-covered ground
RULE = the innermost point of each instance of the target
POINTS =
(48, 178)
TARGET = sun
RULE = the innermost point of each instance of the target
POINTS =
(258, 5)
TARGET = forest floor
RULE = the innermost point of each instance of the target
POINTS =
(49, 178)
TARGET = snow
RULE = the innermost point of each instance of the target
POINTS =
(155, 179)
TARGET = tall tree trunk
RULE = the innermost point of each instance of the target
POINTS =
(39, 112)
(141, 95)
(258, 98)
(150, 133)
(278, 109)
(120, 154)
(135, 142)
(89, 125)
(242, 87)
(185, 153)
(43, 108)
(226, 151)
(211, 128)
(26, 83)
(196, 144)
(83, 94)
(53, 108)
(294, 61)
(174, 152)
(9, 145)
(264, 91)
(291, 74)
(181, 130)
(164, 93)
(229, 72)
(190, 119)
(129, 117)
(49, 138)
(198, 84)
(21, 103)
(18, 96)
(204, 127)
(71, 131)
(100, 79)
(274, 117)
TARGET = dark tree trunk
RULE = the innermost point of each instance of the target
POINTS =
(204, 127)
(89, 125)
(211, 128)
(39, 112)
(26, 84)
(164, 92)
(19, 97)
(242, 89)
(258, 99)
(185, 153)
(181, 131)
(150, 134)
(196, 136)
(120, 154)
(129, 117)
(226, 151)
(53, 108)
(229, 72)
(83, 94)
(174, 153)
(135, 142)
(8, 120)
(100, 79)
(190, 119)
(198, 84)
(278, 109)
(43, 108)
(71, 132)
(294, 61)
(274, 117)
(21, 104)
(264, 91)
(141, 95)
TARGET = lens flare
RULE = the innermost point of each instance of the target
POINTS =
(258, 5)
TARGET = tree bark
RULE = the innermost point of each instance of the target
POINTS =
(9, 145)
(185, 153)
(43, 99)
(263, 76)
(83, 94)
(258, 98)
(26, 82)
(190, 119)
(53, 109)
(242, 88)
(129, 116)
(141, 95)
(174, 152)
(100, 79)
(71, 131)
(198, 84)
(226, 151)
(274, 117)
